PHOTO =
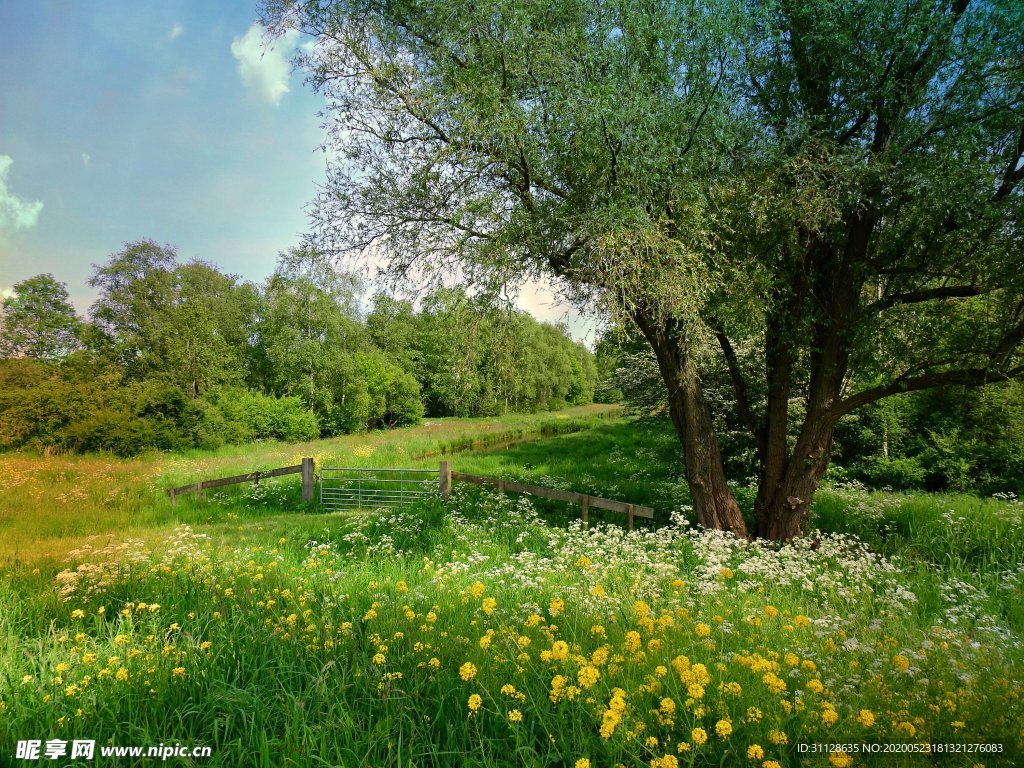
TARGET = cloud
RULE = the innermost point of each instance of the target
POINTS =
(15, 213)
(86, 159)
(264, 70)
(176, 31)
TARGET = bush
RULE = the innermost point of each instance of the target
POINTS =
(251, 415)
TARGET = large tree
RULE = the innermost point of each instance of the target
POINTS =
(38, 320)
(823, 194)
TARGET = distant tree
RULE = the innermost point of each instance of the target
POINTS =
(187, 325)
(38, 321)
(824, 195)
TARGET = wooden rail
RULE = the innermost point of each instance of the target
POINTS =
(305, 468)
(586, 501)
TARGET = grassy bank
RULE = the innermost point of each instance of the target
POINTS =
(49, 504)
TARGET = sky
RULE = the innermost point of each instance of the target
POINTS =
(173, 121)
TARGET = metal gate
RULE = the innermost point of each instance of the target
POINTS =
(361, 487)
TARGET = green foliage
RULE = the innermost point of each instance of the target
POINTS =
(248, 416)
(38, 321)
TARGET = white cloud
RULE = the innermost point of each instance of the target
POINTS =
(15, 213)
(264, 70)
(176, 31)
(86, 159)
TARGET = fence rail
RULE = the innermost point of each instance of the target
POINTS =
(305, 469)
(584, 500)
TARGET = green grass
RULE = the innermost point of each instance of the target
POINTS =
(297, 639)
(49, 505)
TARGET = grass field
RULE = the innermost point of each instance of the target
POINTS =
(489, 631)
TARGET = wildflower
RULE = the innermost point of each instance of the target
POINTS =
(755, 752)
(582, 763)
(597, 591)
(515, 716)
(698, 736)
(61, 668)
(78, 613)
(178, 672)
(778, 737)
(724, 728)
(489, 605)
(815, 686)
(866, 718)
(667, 761)
(901, 662)
(771, 611)
(726, 573)
(560, 650)
(801, 621)
(588, 676)
(467, 671)
(122, 675)
(829, 716)
(379, 659)
(71, 690)
(478, 589)
(840, 759)
(583, 561)
(401, 587)
(370, 615)
(508, 690)
(771, 764)
(556, 606)
(475, 702)
(435, 664)
(26, 680)
(678, 584)
(632, 641)
(702, 630)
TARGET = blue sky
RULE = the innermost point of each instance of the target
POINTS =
(163, 120)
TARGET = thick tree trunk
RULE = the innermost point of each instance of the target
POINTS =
(713, 500)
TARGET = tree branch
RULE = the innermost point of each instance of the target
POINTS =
(925, 294)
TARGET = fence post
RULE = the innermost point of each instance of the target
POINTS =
(307, 479)
(629, 518)
(174, 498)
(586, 512)
(501, 486)
(445, 479)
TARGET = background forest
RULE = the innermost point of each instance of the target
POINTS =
(175, 356)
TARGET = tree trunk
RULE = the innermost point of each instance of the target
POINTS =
(713, 500)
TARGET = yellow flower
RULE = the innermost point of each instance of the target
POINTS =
(489, 605)
(583, 561)
(698, 736)
(632, 642)
(560, 650)
(474, 702)
(840, 759)
(726, 573)
(122, 674)
(778, 737)
(597, 591)
(467, 671)
(667, 761)
(478, 589)
(26, 680)
(702, 630)
(771, 764)
(829, 716)
(515, 716)
(801, 621)
(401, 587)
(557, 606)
(771, 611)
(582, 763)
(755, 752)
(866, 718)
(178, 671)
(78, 613)
(901, 662)
(588, 676)
(724, 728)
(678, 584)
(435, 663)
(815, 686)
(379, 659)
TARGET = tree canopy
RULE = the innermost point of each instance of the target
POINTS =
(823, 195)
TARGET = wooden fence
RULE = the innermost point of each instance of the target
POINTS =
(305, 468)
(446, 477)
(584, 500)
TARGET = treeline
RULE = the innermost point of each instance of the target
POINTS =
(179, 355)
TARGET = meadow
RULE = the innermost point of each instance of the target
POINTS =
(494, 631)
